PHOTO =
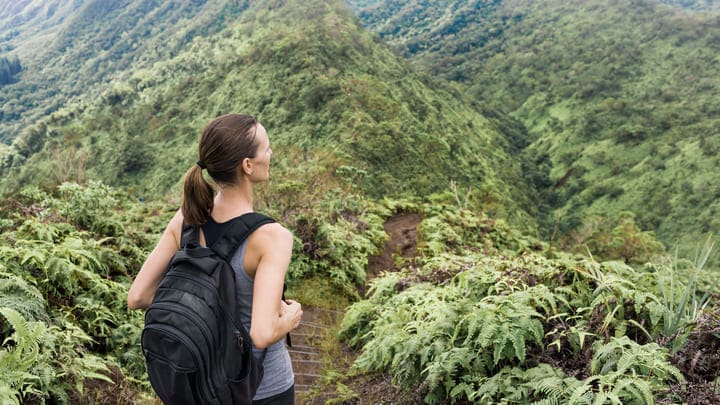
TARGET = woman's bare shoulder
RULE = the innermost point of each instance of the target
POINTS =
(271, 242)
(273, 232)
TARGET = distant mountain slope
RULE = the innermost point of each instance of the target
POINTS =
(67, 48)
(621, 96)
(329, 94)
(695, 5)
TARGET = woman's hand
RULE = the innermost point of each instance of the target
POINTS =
(291, 312)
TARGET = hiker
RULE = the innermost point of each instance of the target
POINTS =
(235, 152)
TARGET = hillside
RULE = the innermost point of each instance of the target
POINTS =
(618, 98)
(330, 95)
(483, 317)
(412, 201)
(70, 49)
(701, 6)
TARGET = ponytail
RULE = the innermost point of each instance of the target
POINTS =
(198, 195)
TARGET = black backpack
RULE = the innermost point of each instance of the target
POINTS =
(196, 349)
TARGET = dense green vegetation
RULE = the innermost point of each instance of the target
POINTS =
(67, 258)
(8, 69)
(554, 326)
(65, 264)
(71, 49)
(318, 83)
(487, 316)
(619, 99)
(542, 144)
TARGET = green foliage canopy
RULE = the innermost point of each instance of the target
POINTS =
(619, 98)
(496, 319)
(318, 82)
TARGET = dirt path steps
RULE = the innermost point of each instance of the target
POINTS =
(308, 339)
(306, 351)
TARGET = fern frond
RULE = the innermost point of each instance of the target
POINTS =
(634, 390)
(8, 395)
(546, 401)
(17, 361)
(18, 294)
(583, 393)
(551, 382)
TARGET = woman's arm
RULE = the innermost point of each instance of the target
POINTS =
(143, 287)
(272, 319)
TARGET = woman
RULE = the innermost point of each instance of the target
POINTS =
(235, 151)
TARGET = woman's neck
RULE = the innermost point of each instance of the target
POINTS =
(233, 201)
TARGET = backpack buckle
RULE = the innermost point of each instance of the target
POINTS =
(240, 340)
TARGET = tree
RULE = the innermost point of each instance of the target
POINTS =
(8, 69)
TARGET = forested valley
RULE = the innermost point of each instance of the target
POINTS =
(559, 161)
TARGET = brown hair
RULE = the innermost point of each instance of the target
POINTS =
(225, 142)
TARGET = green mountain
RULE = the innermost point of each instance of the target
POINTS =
(383, 170)
(71, 49)
(619, 98)
(701, 6)
(327, 90)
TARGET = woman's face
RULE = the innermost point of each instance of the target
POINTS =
(260, 165)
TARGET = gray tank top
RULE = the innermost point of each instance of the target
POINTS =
(278, 376)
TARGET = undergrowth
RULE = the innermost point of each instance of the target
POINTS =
(481, 313)
(487, 316)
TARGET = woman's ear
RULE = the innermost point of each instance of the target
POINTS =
(247, 167)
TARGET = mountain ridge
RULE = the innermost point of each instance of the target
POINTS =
(318, 82)
(617, 98)
(72, 52)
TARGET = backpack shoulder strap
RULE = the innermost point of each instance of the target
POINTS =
(241, 228)
(190, 236)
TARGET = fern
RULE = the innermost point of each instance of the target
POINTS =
(18, 294)
(357, 322)
(36, 230)
(547, 401)
(618, 291)
(583, 393)
(435, 335)
(468, 339)
(95, 317)
(624, 356)
(505, 386)
(504, 323)
(542, 384)
(550, 383)
(18, 360)
(626, 372)
(384, 288)
(446, 366)
(74, 282)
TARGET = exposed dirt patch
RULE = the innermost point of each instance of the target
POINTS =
(699, 361)
(402, 229)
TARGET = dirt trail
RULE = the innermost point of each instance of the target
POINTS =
(402, 229)
(306, 352)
